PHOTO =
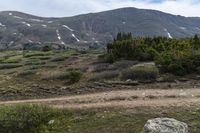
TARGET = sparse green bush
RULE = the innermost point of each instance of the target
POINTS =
(145, 72)
(74, 76)
(46, 49)
(25, 118)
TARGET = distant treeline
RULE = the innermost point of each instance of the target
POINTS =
(179, 56)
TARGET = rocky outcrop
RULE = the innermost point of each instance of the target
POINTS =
(165, 125)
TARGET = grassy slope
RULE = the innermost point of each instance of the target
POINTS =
(98, 121)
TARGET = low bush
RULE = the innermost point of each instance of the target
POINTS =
(46, 49)
(145, 72)
(25, 118)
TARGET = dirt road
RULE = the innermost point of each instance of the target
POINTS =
(122, 98)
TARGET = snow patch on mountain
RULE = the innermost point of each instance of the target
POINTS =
(17, 17)
(168, 34)
(2, 25)
(58, 34)
(36, 20)
(10, 14)
(123, 22)
(59, 37)
(45, 26)
(197, 28)
(73, 35)
(27, 24)
(50, 22)
(30, 41)
(68, 27)
(182, 28)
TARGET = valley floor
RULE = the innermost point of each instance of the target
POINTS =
(100, 101)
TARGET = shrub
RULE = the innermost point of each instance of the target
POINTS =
(145, 57)
(176, 69)
(46, 49)
(146, 72)
(74, 76)
(25, 118)
(109, 58)
(198, 70)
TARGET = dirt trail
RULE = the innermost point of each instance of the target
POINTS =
(122, 98)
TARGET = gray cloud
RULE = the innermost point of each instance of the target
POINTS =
(60, 8)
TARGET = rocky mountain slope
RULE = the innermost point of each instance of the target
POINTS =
(19, 30)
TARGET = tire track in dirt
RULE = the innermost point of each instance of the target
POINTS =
(122, 98)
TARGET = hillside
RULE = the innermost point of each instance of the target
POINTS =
(19, 30)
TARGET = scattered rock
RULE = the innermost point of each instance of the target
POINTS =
(165, 125)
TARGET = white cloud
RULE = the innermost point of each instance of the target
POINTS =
(60, 8)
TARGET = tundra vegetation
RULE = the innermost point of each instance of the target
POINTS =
(40, 118)
(127, 61)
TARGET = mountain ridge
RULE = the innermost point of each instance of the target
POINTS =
(19, 30)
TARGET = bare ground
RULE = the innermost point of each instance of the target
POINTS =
(122, 98)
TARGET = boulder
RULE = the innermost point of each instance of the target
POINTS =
(165, 125)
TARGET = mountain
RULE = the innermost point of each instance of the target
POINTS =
(19, 30)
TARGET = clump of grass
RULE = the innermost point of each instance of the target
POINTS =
(13, 59)
(123, 64)
(146, 72)
(38, 53)
(101, 67)
(27, 72)
(34, 62)
(70, 76)
(41, 57)
(59, 58)
(106, 75)
(34, 67)
(9, 66)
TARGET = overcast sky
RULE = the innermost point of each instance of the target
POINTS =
(61, 8)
